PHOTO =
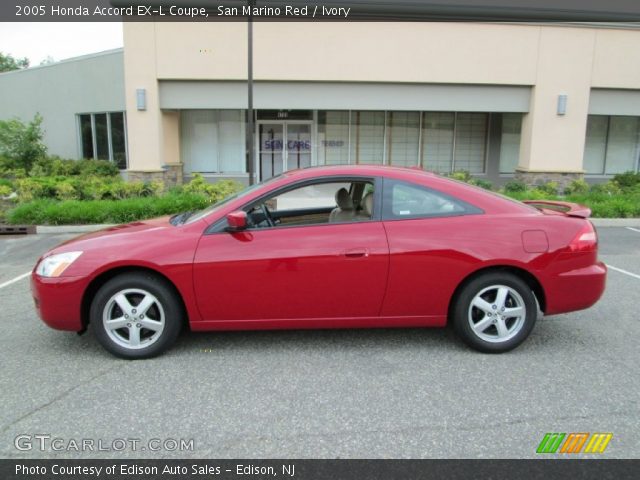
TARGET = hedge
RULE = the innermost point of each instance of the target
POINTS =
(70, 212)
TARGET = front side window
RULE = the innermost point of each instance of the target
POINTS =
(404, 200)
(315, 204)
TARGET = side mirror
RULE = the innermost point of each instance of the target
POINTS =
(237, 221)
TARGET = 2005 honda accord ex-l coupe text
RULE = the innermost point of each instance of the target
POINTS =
(328, 247)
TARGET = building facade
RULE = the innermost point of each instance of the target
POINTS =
(81, 101)
(537, 102)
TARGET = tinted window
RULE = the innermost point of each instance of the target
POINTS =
(406, 200)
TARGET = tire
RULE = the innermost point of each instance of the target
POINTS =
(495, 312)
(136, 315)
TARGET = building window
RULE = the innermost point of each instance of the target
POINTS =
(333, 137)
(404, 138)
(454, 141)
(471, 141)
(437, 141)
(612, 144)
(367, 137)
(510, 142)
(213, 141)
(103, 137)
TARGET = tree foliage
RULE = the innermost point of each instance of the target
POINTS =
(9, 63)
(21, 143)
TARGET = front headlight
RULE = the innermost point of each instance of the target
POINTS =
(54, 265)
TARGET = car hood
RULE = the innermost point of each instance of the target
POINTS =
(114, 236)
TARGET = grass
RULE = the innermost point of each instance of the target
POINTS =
(74, 212)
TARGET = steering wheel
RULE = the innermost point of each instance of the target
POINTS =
(267, 215)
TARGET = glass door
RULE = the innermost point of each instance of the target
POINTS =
(283, 145)
(270, 151)
(298, 145)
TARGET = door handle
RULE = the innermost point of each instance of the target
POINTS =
(356, 253)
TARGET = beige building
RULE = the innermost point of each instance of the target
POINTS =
(533, 101)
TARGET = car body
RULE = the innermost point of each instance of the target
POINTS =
(401, 248)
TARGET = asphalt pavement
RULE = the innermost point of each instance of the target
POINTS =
(413, 393)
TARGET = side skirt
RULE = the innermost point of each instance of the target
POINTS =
(321, 323)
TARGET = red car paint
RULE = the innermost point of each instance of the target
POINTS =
(391, 273)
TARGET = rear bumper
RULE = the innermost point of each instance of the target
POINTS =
(576, 289)
(58, 301)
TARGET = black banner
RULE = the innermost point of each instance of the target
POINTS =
(306, 10)
(318, 469)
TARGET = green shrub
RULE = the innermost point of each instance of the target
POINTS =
(8, 169)
(479, 182)
(66, 191)
(608, 188)
(100, 168)
(214, 191)
(577, 186)
(461, 175)
(550, 188)
(68, 212)
(5, 191)
(21, 142)
(534, 194)
(627, 180)
(616, 207)
(56, 166)
(515, 186)
(6, 183)
(29, 189)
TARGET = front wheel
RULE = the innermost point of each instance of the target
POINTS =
(495, 312)
(136, 315)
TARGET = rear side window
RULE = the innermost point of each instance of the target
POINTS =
(404, 200)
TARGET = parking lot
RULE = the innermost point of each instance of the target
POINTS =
(332, 394)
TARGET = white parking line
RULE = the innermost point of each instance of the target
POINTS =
(14, 280)
(623, 271)
(634, 229)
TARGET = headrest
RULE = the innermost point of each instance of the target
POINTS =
(344, 200)
(367, 204)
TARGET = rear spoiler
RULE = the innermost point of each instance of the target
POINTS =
(569, 209)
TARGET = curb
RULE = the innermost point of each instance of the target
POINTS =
(616, 222)
(71, 228)
(598, 222)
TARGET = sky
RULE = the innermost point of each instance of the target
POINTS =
(37, 41)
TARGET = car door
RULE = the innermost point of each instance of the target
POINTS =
(430, 249)
(292, 271)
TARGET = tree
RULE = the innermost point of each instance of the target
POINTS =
(21, 143)
(8, 63)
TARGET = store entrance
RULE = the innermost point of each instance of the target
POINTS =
(282, 145)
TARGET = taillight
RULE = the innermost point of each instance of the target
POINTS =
(586, 240)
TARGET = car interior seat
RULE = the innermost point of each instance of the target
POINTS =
(345, 209)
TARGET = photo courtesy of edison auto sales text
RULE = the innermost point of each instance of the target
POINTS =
(126, 469)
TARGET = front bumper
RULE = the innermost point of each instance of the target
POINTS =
(575, 289)
(58, 301)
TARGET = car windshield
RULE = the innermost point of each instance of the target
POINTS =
(190, 217)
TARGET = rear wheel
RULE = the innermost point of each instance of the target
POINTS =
(136, 315)
(495, 312)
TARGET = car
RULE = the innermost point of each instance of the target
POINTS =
(328, 247)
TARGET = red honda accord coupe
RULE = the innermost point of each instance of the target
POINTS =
(328, 247)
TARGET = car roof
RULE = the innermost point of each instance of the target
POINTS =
(317, 171)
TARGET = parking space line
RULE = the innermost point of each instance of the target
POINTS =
(623, 271)
(634, 229)
(14, 280)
